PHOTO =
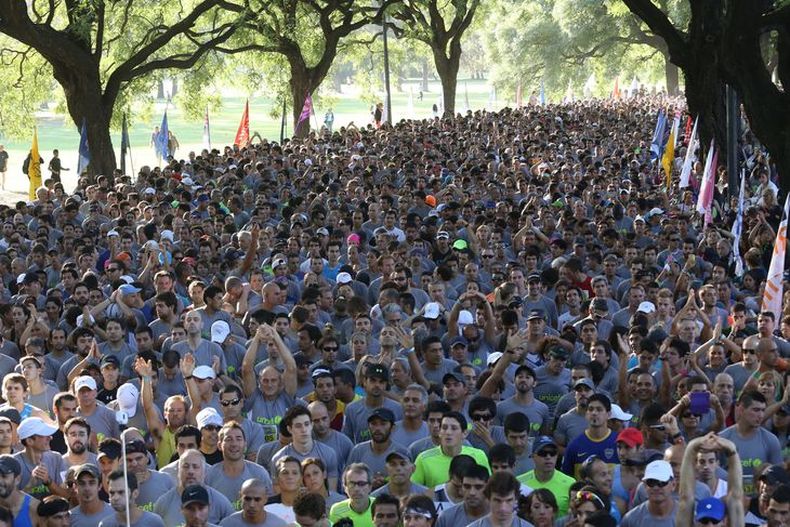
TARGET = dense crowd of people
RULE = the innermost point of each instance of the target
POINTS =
(497, 320)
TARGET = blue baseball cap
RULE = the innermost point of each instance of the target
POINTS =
(543, 442)
(710, 508)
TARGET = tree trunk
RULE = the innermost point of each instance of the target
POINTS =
(424, 85)
(303, 82)
(447, 68)
(174, 87)
(705, 95)
(160, 89)
(671, 73)
(82, 88)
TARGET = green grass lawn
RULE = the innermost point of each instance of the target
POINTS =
(58, 132)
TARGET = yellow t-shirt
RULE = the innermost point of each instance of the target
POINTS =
(343, 509)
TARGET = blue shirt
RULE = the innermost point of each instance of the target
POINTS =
(582, 447)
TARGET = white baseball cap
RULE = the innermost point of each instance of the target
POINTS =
(219, 331)
(208, 416)
(84, 381)
(127, 397)
(204, 372)
(432, 310)
(619, 414)
(343, 278)
(659, 470)
(646, 307)
(34, 426)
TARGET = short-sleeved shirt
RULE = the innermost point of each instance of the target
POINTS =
(344, 510)
(102, 422)
(485, 521)
(640, 516)
(319, 451)
(762, 447)
(537, 412)
(152, 489)
(432, 467)
(146, 520)
(80, 519)
(413, 489)
(204, 354)
(570, 426)
(168, 506)
(355, 425)
(340, 444)
(582, 447)
(54, 465)
(268, 413)
(236, 520)
(454, 516)
(559, 485)
(377, 463)
(231, 487)
(405, 437)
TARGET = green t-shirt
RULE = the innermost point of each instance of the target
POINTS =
(432, 467)
(343, 510)
(559, 485)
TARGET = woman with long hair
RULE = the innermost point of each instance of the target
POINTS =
(314, 480)
(541, 508)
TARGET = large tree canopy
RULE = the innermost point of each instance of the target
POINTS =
(97, 50)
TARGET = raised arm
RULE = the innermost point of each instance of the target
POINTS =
(514, 340)
(687, 484)
(155, 424)
(289, 375)
(187, 365)
(248, 380)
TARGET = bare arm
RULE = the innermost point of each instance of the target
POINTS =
(289, 375)
(187, 365)
(687, 484)
(514, 340)
(155, 424)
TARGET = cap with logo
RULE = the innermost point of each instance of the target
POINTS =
(128, 395)
(710, 509)
(194, 494)
(385, 414)
(542, 443)
(377, 371)
(219, 331)
(84, 381)
(9, 465)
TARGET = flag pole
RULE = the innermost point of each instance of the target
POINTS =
(282, 123)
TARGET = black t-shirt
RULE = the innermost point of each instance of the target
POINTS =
(3, 160)
(107, 396)
(213, 458)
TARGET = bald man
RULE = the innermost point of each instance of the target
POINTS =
(253, 514)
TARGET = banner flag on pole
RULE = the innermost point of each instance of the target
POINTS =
(124, 143)
(657, 143)
(162, 143)
(206, 131)
(706, 188)
(669, 152)
(542, 96)
(737, 227)
(519, 96)
(466, 97)
(307, 109)
(688, 162)
(243, 133)
(34, 167)
(84, 153)
(774, 286)
(616, 90)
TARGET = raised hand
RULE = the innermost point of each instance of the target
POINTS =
(187, 365)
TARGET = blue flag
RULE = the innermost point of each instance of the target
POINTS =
(84, 151)
(657, 145)
(162, 147)
(542, 97)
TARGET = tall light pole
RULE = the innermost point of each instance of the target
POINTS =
(388, 102)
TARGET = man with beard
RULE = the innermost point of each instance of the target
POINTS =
(524, 400)
(191, 471)
(228, 475)
(41, 469)
(474, 505)
(325, 392)
(101, 418)
(22, 506)
(337, 441)
(90, 509)
(299, 423)
(375, 382)
(120, 500)
(374, 453)
(195, 506)
(150, 484)
(77, 433)
(572, 424)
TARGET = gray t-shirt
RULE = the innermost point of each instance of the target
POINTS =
(537, 412)
(54, 465)
(569, 426)
(435, 376)
(204, 354)
(102, 422)
(80, 519)
(405, 437)
(168, 506)
(319, 451)
(497, 434)
(152, 489)
(740, 375)
(235, 520)
(355, 424)
(640, 516)
(377, 463)
(340, 444)
(762, 447)
(485, 521)
(454, 516)
(146, 520)
(231, 487)
(414, 488)
(268, 413)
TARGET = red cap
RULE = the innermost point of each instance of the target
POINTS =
(430, 200)
(631, 437)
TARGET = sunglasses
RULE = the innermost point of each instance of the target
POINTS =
(547, 453)
(212, 428)
(482, 417)
(688, 415)
(232, 402)
(653, 483)
(330, 348)
(709, 521)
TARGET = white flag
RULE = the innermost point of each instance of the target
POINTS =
(737, 227)
(707, 181)
(691, 156)
(772, 297)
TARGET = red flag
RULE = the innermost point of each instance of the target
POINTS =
(243, 135)
(687, 132)
(616, 90)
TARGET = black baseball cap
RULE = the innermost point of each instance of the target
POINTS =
(384, 414)
(378, 371)
(194, 494)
